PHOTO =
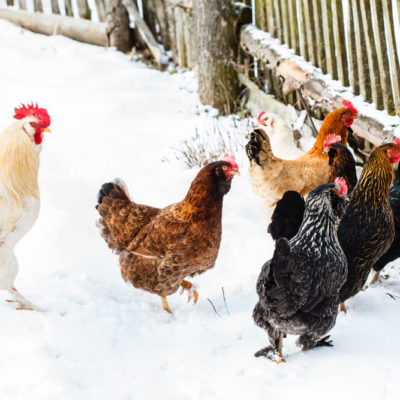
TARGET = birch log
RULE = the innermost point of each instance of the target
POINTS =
(48, 24)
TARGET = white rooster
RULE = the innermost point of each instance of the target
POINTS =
(20, 145)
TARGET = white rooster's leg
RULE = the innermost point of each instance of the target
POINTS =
(24, 304)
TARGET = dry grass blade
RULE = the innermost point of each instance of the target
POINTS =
(223, 295)
(212, 304)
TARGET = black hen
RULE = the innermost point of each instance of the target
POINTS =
(394, 250)
(366, 231)
(288, 214)
(298, 288)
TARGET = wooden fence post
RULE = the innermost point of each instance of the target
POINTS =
(351, 51)
(68, 8)
(308, 19)
(393, 58)
(294, 28)
(55, 9)
(303, 34)
(340, 42)
(101, 10)
(329, 38)
(83, 9)
(10, 2)
(278, 20)
(319, 35)
(37, 5)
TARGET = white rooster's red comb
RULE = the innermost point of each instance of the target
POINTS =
(231, 160)
(347, 104)
(262, 118)
(397, 141)
(342, 184)
(331, 139)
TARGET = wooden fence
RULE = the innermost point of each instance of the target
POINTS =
(352, 40)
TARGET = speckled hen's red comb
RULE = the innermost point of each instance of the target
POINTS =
(397, 141)
(33, 110)
(342, 184)
(331, 139)
(231, 160)
(347, 104)
(262, 118)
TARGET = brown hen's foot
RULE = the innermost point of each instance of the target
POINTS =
(192, 292)
(342, 307)
(24, 304)
(375, 278)
(165, 305)
(271, 353)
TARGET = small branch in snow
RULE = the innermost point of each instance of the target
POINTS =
(393, 296)
(305, 106)
(223, 295)
(212, 304)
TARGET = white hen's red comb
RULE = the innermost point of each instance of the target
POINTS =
(262, 118)
(231, 160)
(397, 141)
(331, 139)
(342, 184)
(347, 104)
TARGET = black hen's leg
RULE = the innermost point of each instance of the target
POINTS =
(308, 342)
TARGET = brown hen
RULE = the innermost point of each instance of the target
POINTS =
(158, 248)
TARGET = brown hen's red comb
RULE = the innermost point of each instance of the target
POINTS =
(347, 104)
(332, 139)
(33, 111)
(342, 184)
(231, 160)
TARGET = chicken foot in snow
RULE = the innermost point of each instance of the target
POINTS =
(24, 304)
(273, 352)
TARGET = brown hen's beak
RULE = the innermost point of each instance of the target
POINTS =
(46, 130)
(235, 172)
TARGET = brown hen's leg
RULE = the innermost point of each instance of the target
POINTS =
(192, 292)
(165, 305)
(375, 277)
(24, 304)
(342, 307)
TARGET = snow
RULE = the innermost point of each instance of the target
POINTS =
(103, 339)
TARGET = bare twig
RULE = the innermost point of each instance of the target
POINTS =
(212, 304)
(223, 295)
(393, 296)
(304, 104)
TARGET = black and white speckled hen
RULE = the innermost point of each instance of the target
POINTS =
(394, 250)
(298, 288)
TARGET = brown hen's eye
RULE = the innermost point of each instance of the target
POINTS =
(224, 167)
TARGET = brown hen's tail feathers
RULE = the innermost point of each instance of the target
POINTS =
(115, 190)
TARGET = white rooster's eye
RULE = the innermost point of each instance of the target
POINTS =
(33, 124)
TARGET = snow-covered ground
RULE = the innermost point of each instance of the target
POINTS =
(103, 339)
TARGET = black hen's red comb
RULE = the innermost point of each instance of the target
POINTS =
(33, 111)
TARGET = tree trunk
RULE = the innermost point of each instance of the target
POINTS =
(119, 32)
(217, 47)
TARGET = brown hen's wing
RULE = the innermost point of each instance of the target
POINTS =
(122, 219)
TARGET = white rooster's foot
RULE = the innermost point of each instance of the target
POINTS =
(23, 304)
(192, 291)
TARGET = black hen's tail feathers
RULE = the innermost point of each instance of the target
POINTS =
(254, 146)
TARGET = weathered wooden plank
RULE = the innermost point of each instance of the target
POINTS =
(101, 9)
(83, 9)
(278, 20)
(319, 35)
(68, 8)
(351, 51)
(37, 5)
(329, 38)
(308, 18)
(286, 23)
(55, 9)
(294, 29)
(393, 57)
(340, 41)
(381, 54)
(362, 60)
(22, 4)
(145, 33)
(315, 87)
(270, 19)
(10, 2)
(261, 20)
(366, 16)
(303, 34)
